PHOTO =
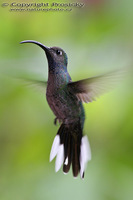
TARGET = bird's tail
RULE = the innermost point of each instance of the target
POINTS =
(71, 147)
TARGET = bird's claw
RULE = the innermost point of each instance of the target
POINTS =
(57, 120)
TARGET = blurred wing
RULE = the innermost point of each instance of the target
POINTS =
(88, 90)
(37, 85)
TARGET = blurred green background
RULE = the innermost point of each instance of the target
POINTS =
(97, 38)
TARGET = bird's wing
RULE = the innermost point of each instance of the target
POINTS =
(34, 84)
(87, 90)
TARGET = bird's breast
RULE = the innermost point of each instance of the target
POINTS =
(64, 105)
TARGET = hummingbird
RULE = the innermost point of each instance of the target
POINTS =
(65, 98)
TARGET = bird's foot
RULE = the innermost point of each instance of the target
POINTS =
(57, 120)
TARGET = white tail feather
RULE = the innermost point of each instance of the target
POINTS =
(85, 154)
(66, 161)
(59, 158)
(55, 147)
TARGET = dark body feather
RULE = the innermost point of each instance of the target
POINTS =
(64, 104)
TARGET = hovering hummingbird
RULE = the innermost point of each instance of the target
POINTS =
(65, 98)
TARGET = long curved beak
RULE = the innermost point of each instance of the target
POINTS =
(46, 49)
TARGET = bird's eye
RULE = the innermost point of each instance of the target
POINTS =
(58, 52)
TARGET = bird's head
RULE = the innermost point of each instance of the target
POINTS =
(56, 56)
